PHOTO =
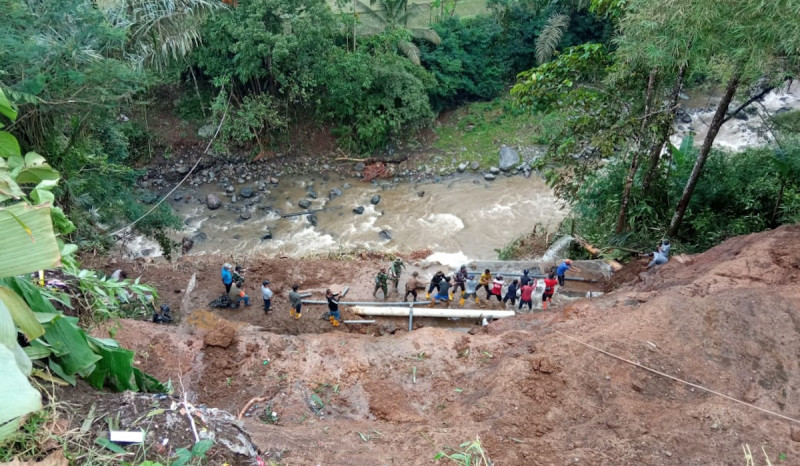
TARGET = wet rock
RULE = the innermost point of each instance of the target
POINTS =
(489, 176)
(474, 165)
(312, 194)
(213, 201)
(304, 204)
(247, 192)
(686, 118)
(462, 167)
(221, 336)
(741, 116)
(182, 169)
(375, 200)
(359, 167)
(234, 199)
(494, 170)
(229, 188)
(312, 219)
(267, 234)
(347, 186)
(199, 237)
(358, 210)
(245, 215)
(508, 158)
(178, 197)
(186, 244)
(274, 180)
(334, 193)
(385, 235)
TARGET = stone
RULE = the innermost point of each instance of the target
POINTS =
(199, 237)
(182, 169)
(274, 180)
(489, 176)
(683, 96)
(347, 186)
(509, 157)
(494, 170)
(229, 189)
(247, 192)
(267, 235)
(304, 204)
(186, 244)
(741, 116)
(334, 193)
(358, 210)
(686, 118)
(222, 336)
(474, 165)
(245, 215)
(312, 194)
(213, 201)
(796, 435)
(359, 167)
(385, 235)
(375, 200)
(462, 167)
(421, 193)
(178, 197)
(234, 199)
(312, 219)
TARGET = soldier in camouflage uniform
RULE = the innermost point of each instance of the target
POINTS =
(381, 282)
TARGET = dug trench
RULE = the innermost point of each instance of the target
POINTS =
(727, 319)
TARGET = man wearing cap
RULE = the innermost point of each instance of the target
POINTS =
(471, 291)
(227, 278)
(562, 270)
(266, 294)
(525, 278)
(460, 279)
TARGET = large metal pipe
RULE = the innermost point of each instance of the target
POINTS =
(358, 321)
(575, 279)
(431, 312)
(358, 303)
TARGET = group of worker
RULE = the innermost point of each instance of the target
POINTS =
(446, 287)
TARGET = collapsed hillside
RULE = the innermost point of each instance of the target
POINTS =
(727, 319)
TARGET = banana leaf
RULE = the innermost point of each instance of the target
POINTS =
(115, 368)
(31, 293)
(17, 396)
(21, 314)
(28, 242)
(70, 347)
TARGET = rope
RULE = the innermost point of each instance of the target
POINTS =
(679, 380)
(221, 121)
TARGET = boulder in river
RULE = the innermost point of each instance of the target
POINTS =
(247, 192)
(312, 194)
(186, 244)
(489, 176)
(462, 167)
(474, 165)
(245, 215)
(334, 193)
(199, 237)
(385, 235)
(375, 200)
(312, 219)
(267, 234)
(213, 201)
(686, 118)
(508, 158)
(358, 210)
(304, 204)
(494, 170)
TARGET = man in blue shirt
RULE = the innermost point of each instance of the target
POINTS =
(562, 270)
(227, 278)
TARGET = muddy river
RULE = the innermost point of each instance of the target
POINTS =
(461, 217)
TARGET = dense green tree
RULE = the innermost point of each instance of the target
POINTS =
(392, 17)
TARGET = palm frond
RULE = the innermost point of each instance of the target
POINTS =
(428, 35)
(372, 13)
(551, 35)
(410, 50)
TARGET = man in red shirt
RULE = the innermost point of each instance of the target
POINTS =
(526, 295)
(549, 288)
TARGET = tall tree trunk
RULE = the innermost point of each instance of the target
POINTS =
(626, 194)
(772, 219)
(658, 146)
(716, 123)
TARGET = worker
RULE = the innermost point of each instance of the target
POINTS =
(526, 295)
(511, 293)
(227, 278)
(266, 295)
(525, 278)
(549, 288)
(471, 291)
(484, 281)
(238, 276)
(459, 279)
(497, 289)
(296, 302)
(437, 278)
(660, 255)
(243, 296)
(562, 270)
(444, 292)
(395, 271)
(381, 283)
(411, 287)
(333, 307)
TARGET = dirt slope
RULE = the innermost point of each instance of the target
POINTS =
(728, 319)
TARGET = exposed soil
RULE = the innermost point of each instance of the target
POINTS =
(727, 319)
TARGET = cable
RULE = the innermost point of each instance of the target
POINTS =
(679, 380)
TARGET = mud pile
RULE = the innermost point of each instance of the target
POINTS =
(728, 319)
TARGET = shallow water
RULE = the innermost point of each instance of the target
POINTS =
(461, 217)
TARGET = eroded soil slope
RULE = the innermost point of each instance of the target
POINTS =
(728, 319)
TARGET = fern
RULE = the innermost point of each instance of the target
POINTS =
(551, 35)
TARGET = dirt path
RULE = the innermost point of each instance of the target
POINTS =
(727, 319)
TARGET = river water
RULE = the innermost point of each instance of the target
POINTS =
(461, 217)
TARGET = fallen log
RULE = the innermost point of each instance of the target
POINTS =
(588, 247)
